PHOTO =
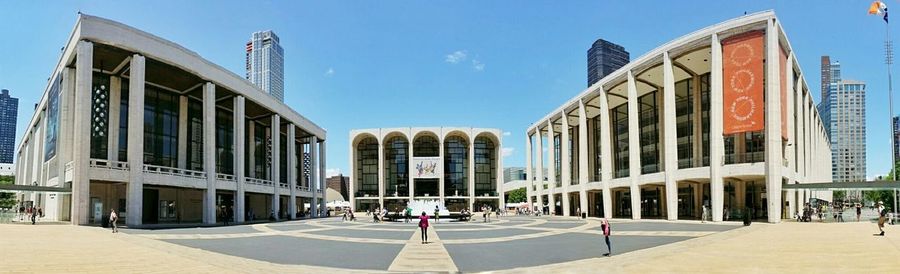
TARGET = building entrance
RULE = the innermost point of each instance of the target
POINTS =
(427, 188)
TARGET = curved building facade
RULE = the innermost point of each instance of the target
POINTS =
(719, 119)
(141, 125)
(458, 167)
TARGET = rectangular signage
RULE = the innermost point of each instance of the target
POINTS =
(742, 77)
(427, 168)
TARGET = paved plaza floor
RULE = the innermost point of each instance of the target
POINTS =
(511, 244)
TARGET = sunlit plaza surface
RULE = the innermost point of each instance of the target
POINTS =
(510, 244)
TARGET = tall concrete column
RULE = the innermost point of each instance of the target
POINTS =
(292, 170)
(321, 177)
(135, 191)
(314, 175)
(82, 138)
(115, 97)
(551, 161)
(634, 148)
(275, 169)
(716, 140)
(239, 157)
(540, 168)
(209, 151)
(529, 172)
(774, 157)
(606, 148)
(670, 138)
(183, 124)
(565, 162)
(582, 157)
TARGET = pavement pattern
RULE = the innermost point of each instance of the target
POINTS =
(510, 245)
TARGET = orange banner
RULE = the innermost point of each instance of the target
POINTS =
(742, 77)
(782, 64)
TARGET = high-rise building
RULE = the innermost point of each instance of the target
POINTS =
(843, 112)
(340, 183)
(265, 63)
(604, 57)
(825, 75)
(9, 109)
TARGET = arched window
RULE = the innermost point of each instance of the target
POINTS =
(485, 167)
(396, 168)
(426, 146)
(367, 167)
(456, 166)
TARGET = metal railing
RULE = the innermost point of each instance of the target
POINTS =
(255, 181)
(302, 188)
(284, 185)
(174, 171)
(750, 157)
(225, 177)
(101, 163)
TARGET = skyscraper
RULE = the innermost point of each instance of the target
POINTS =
(9, 110)
(826, 75)
(843, 112)
(265, 63)
(605, 57)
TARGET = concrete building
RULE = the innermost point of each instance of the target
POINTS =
(843, 110)
(9, 111)
(265, 63)
(603, 58)
(136, 123)
(687, 125)
(513, 173)
(459, 167)
(339, 183)
(7, 169)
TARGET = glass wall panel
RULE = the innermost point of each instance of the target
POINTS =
(684, 121)
(485, 167)
(367, 167)
(225, 142)
(598, 149)
(649, 133)
(195, 135)
(396, 168)
(160, 127)
(619, 116)
(282, 157)
(426, 146)
(456, 166)
(260, 153)
(557, 158)
(123, 121)
(704, 116)
(573, 155)
(99, 115)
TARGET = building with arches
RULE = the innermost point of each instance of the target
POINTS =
(459, 167)
(718, 119)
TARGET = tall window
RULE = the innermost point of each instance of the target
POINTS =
(258, 145)
(704, 116)
(755, 146)
(620, 139)
(367, 167)
(684, 112)
(485, 167)
(598, 148)
(282, 157)
(123, 121)
(557, 158)
(225, 142)
(649, 133)
(396, 169)
(160, 127)
(573, 155)
(426, 146)
(456, 166)
(195, 135)
(99, 116)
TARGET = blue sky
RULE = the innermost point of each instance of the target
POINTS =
(502, 64)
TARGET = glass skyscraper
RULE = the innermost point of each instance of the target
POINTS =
(9, 110)
(604, 57)
(265, 63)
(843, 111)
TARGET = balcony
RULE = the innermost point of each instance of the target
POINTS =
(259, 182)
(750, 157)
(225, 177)
(163, 170)
(302, 188)
(104, 164)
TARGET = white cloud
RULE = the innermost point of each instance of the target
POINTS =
(477, 65)
(329, 172)
(506, 133)
(329, 72)
(456, 57)
(507, 151)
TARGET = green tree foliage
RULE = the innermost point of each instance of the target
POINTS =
(516, 196)
(7, 200)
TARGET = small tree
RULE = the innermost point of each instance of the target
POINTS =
(7, 200)
(516, 196)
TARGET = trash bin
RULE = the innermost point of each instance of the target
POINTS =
(104, 221)
(584, 215)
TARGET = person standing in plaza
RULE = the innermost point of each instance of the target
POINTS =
(604, 225)
(704, 215)
(858, 211)
(423, 224)
(881, 214)
(437, 214)
(113, 217)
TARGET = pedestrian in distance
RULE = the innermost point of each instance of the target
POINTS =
(113, 217)
(604, 225)
(33, 216)
(858, 211)
(882, 213)
(437, 214)
(704, 215)
(423, 224)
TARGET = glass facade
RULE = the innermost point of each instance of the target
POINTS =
(282, 157)
(649, 132)
(704, 117)
(598, 148)
(684, 121)
(396, 166)
(456, 166)
(99, 115)
(160, 127)
(367, 167)
(557, 158)
(123, 121)
(485, 167)
(195, 135)
(258, 144)
(619, 116)
(426, 146)
(225, 142)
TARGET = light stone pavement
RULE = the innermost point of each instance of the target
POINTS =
(683, 247)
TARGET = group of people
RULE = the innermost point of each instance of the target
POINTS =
(348, 215)
(29, 213)
(377, 214)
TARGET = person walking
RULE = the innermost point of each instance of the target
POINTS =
(858, 211)
(33, 215)
(604, 225)
(704, 215)
(113, 217)
(882, 212)
(408, 214)
(437, 214)
(423, 224)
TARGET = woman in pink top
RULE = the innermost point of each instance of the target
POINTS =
(604, 225)
(423, 224)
